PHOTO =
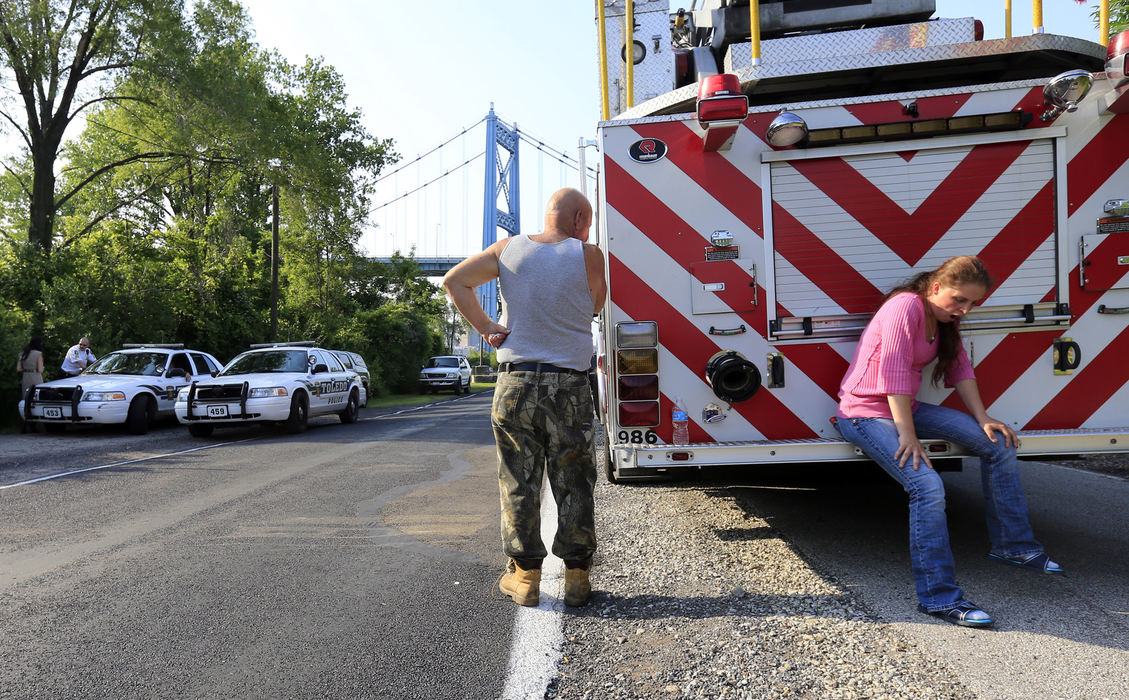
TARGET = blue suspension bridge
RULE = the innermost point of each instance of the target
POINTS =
(442, 215)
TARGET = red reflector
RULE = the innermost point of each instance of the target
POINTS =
(718, 108)
(638, 387)
(680, 456)
(714, 85)
(939, 447)
(639, 413)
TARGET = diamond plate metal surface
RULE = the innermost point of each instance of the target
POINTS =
(857, 42)
(654, 76)
(683, 98)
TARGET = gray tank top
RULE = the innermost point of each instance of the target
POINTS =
(546, 303)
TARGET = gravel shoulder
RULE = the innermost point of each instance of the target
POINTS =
(695, 598)
(696, 595)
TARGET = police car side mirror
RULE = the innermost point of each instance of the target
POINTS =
(321, 368)
(176, 372)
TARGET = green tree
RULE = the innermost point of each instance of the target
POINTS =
(65, 57)
(453, 325)
(1118, 16)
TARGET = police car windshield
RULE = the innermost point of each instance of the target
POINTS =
(269, 361)
(443, 362)
(145, 364)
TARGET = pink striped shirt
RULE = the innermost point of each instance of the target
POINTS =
(889, 360)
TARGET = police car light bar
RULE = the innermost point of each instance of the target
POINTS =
(295, 344)
(163, 346)
(722, 106)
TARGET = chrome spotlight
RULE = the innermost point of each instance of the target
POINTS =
(1065, 91)
(787, 130)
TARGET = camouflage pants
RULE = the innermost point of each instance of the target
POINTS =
(544, 421)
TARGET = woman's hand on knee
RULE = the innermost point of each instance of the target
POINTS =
(911, 451)
(992, 426)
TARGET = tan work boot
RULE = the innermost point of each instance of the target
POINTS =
(523, 585)
(577, 588)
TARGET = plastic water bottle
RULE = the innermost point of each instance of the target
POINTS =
(681, 424)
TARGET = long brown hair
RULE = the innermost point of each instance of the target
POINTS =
(954, 272)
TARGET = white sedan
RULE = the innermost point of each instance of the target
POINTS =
(284, 383)
(134, 386)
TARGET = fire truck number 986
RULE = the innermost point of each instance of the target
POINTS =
(638, 437)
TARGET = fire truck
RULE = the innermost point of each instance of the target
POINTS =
(769, 171)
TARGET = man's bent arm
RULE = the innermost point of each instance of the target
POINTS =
(461, 281)
(597, 285)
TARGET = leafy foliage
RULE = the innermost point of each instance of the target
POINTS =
(161, 223)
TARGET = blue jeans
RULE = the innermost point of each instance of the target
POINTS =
(1006, 507)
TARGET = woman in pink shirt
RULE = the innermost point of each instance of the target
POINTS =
(917, 323)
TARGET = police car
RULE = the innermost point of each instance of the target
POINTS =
(445, 372)
(134, 385)
(284, 383)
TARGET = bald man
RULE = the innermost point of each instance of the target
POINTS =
(551, 284)
(77, 358)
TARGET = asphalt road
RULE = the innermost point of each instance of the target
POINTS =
(1055, 637)
(349, 561)
(359, 561)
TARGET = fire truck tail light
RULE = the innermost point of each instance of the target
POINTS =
(680, 456)
(638, 387)
(637, 361)
(732, 377)
(640, 334)
(639, 413)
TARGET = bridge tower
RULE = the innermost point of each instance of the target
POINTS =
(501, 182)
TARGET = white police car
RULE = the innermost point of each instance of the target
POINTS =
(445, 372)
(134, 385)
(282, 383)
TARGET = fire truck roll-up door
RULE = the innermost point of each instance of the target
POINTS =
(845, 229)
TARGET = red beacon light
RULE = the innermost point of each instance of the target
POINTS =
(722, 106)
(1116, 100)
(1117, 57)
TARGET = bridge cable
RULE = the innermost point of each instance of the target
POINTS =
(421, 157)
(429, 182)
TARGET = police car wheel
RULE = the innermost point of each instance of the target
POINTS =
(349, 415)
(299, 414)
(141, 412)
(200, 430)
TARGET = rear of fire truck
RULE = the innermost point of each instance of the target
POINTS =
(768, 175)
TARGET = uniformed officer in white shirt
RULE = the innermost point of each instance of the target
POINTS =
(77, 358)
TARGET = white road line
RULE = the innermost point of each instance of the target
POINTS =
(120, 464)
(539, 632)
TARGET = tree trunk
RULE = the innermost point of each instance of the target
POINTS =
(41, 226)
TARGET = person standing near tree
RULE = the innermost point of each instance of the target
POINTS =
(77, 358)
(30, 367)
(550, 285)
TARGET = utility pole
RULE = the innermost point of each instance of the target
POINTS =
(274, 263)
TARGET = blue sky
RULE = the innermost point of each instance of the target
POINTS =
(421, 72)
